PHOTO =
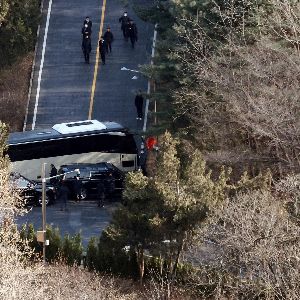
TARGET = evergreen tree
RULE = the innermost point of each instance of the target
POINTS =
(18, 28)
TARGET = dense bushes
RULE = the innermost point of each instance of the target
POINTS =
(19, 21)
(68, 249)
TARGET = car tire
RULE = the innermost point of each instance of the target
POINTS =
(47, 200)
(83, 194)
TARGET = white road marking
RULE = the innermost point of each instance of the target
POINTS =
(41, 66)
(126, 69)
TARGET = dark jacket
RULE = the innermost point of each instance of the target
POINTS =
(77, 185)
(124, 21)
(108, 37)
(132, 31)
(86, 45)
(102, 47)
(63, 193)
(90, 23)
(86, 32)
(53, 172)
(138, 101)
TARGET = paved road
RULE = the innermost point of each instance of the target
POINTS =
(85, 217)
(66, 84)
(66, 81)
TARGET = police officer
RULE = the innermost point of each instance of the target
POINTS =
(102, 49)
(86, 48)
(110, 186)
(63, 195)
(124, 20)
(88, 22)
(86, 31)
(53, 173)
(77, 187)
(101, 193)
(132, 33)
(138, 101)
(108, 38)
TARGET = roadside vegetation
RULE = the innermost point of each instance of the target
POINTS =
(19, 20)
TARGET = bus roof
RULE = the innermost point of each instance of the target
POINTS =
(65, 130)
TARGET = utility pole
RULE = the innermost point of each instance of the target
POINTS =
(44, 210)
(41, 235)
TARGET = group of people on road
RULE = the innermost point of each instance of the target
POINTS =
(105, 188)
(128, 27)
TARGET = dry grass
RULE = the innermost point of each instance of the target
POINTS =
(14, 82)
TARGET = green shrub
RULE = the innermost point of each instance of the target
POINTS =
(91, 255)
(55, 244)
(18, 29)
(72, 249)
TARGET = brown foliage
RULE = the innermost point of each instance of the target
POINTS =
(245, 96)
(14, 82)
(256, 249)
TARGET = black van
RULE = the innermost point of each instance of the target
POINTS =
(88, 177)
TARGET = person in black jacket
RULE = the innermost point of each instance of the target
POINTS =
(53, 173)
(124, 20)
(101, 193)
(108, 38)
(86, 31)
(63, 195)
(86, 48)
(88, 22)
(77, 187)
(132, 33)
(138, 101)
(102, 49)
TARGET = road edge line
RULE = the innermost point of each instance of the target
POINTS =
(97, 62)
(41, 65)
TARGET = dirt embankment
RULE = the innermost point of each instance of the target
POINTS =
(14, 84)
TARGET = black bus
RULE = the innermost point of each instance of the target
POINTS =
(88, 141)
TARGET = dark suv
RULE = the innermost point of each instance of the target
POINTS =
(90, 177)
(31, 191)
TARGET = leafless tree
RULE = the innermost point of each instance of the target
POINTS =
(247, 94)
(256, 249)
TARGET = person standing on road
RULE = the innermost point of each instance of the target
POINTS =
(124, 20)
(86, 49)
(138, 101)
(132, 33)
(88, 22)
(102, 49)
(101, 193)
(63, 195)
(86, 42)
(53, 172)
(77, 187)
(108, 38)
(86, 32)
(110, 186)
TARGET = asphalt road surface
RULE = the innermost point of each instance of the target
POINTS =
(62, 87)
(64, 84)
(84, 217)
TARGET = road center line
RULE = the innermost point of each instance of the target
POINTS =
(41, 66)
(96, 63)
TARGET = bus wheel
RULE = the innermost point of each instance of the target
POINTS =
(40, 200)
